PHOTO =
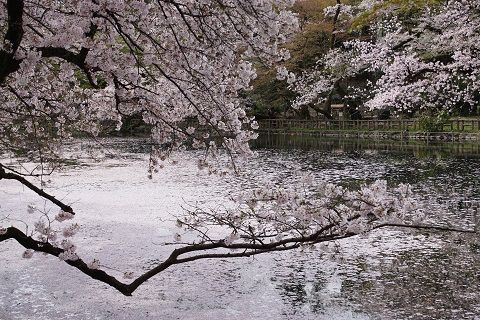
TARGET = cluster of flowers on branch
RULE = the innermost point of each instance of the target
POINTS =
(50, 229)
(307, 212)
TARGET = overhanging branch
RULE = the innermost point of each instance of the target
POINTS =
(195, 252)
(30, 243)
(13, 176)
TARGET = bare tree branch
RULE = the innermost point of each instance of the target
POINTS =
(37, 190)
(30, 243)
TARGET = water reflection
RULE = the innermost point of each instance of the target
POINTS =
(420, 276)
(354, 146)
(387, 274)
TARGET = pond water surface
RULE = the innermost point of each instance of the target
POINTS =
(125, 219)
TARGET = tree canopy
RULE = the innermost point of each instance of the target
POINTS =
(425, 60)
(329, 59)
(69, 66)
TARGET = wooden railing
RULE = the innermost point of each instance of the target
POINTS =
(454, 125)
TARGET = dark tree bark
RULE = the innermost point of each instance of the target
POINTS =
(13, 38)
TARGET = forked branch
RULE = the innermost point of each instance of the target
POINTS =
(194, 252)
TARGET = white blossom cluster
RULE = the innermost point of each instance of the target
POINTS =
(306, 209)
(342, 9)
(434, 65)
(52, 229)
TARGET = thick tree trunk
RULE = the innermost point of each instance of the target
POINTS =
(13, 38)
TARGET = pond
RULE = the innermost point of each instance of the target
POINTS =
(126, 217)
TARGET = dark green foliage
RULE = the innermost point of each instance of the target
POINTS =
(271, 98)
(434, 123)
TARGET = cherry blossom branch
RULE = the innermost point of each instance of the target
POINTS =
(13, 176)
(29, 174)
(250, 249)
(32, 244)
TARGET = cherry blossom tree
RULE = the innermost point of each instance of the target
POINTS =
(428, 62)
(67, 68)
